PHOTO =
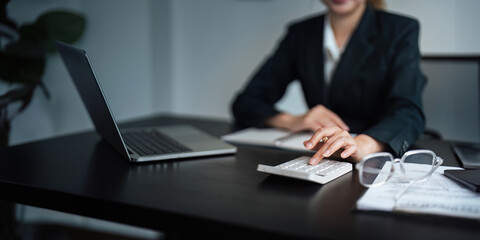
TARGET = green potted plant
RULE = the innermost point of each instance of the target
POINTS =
(23, 51)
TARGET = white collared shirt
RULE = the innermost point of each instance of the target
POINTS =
(332, 52)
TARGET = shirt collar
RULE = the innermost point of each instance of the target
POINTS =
(329, 43)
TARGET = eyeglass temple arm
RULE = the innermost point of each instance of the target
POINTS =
(399, 194)
(437, 163)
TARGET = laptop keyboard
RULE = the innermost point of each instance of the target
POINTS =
(151, 142)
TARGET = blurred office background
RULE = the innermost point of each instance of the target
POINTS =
(192, 56)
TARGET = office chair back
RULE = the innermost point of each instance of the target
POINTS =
(451, 97)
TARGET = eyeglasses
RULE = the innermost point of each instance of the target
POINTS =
(415, 166)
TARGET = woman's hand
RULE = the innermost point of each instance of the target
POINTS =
(317, 117)
(328, 141)
(334, 141)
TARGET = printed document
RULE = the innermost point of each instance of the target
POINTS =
(439, 196)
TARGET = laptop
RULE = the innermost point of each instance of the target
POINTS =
(137, 144)
(468, 153)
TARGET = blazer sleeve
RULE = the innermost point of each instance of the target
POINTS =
(402, 120)
(255, 103)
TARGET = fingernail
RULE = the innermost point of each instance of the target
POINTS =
(326, 153)
(309, 145)
(312, 161)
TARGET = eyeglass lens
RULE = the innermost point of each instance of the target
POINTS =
(376, 170)
(413, 172)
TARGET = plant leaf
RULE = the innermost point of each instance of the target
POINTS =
(45, 90)
(61, 25)
(21, 70)
(25, 49)
(9, 32)
(34, 33)
(23, 94)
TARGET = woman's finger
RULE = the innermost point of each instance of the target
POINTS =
(335, 144)
(318, 136)
(322, 150)
(340, 140)
(349, 150)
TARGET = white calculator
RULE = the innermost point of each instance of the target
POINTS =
(325, 171)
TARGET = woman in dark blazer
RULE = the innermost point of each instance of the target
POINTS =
(374, 89)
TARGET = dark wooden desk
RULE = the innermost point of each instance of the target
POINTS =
(216, 196)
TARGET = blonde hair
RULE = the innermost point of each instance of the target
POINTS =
(378, 4)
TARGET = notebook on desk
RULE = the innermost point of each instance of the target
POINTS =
(140, 144)
(270, 137)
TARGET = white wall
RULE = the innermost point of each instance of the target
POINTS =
(162, 55)
(447, 26)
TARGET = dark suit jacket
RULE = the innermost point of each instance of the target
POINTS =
(376, 88)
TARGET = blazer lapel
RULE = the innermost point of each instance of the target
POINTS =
(316, 81)
(359, 47)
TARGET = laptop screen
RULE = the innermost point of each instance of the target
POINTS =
(81, 71)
